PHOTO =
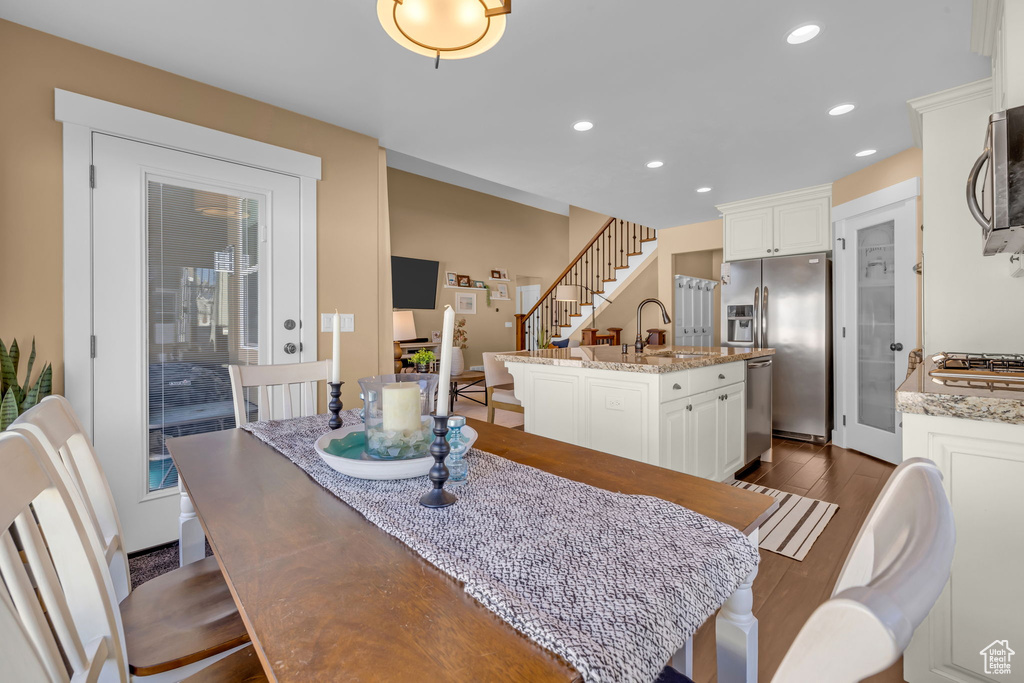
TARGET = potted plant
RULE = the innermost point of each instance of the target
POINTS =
(459, 342)
(423, 359)
(17, 398)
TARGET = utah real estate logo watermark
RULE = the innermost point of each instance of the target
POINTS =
(997, 658)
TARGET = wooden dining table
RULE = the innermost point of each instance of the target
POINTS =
(326, 595)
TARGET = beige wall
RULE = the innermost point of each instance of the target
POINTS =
(471, 233)
(583, 225)
(32, 64)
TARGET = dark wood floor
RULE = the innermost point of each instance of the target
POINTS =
(787, 591)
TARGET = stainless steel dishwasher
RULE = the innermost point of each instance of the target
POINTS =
(759, 408)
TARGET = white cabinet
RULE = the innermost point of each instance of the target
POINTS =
(748, 234)
(691, 421)
(703, 435)
(982, 465)
(778, 225)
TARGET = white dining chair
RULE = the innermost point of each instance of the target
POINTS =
(199, 615)
(894, 573)
(275, 384)
(59, 619)
(499, 381)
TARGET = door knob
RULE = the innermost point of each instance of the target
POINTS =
(289, 324)
(776, 248)
(769, 251)
(290, 348)
(895, 346)
(689, 407)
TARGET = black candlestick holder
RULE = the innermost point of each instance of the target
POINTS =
(335, 405)
(437, 497)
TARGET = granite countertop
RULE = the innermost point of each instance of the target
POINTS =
(654, 359)
(923, 394)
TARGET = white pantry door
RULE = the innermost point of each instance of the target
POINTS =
(878, 287)
(196, 266)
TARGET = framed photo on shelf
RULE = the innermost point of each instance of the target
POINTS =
(451, 278)
(478, 284)
(500, 291)
(465, 281)
(495, 274)
(465, 303)
(435, 336)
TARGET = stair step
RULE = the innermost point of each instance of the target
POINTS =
(649, 239)
(621, 267)
(635, 253)
(609, 280)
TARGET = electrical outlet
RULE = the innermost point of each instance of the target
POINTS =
(348, 322)
(613, 403)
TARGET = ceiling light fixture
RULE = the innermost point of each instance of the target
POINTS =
(703, 189)
(865, 152)
(582, 126)
(444, 29)
(803, 33)
(841, 109)
(655, 164)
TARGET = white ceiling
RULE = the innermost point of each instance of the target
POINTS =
(711, 88)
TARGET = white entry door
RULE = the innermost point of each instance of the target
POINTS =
(875, 260)
(196, 266)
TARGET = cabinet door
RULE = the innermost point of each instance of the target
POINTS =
(701, 457)
(731, 437)
(675, 435)
(802, 228)
(748, 234)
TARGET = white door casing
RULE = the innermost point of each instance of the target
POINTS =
(854, 334)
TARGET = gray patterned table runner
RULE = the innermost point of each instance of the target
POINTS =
(613, 583)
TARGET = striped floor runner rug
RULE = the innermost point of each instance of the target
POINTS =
(795, 524)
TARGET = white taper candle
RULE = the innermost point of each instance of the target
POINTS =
(445, 372)
(336, 357)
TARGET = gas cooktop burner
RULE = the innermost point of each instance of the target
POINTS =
(972, 368)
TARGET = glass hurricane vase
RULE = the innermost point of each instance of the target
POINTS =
(396, 411)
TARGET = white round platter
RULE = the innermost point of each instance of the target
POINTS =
(366, 467)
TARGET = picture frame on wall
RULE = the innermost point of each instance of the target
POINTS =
(465, 281)
(500, 291)
(479, 284)
(495, 274)
(499, 274)
(465, 303)
(451, 278)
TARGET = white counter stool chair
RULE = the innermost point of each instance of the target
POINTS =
(79, 636)
(266, 377)
(173, 620)
(896, 569)
(500, 394)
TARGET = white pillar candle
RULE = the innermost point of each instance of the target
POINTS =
(445, 372)
(400, 403)
(336, 357)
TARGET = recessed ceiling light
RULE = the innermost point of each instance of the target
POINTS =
(803, 34)
(840, 109)
(582, 125)
(865, 152)
(703, 189)
(655, 164)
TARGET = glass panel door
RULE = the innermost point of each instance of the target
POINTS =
(203, 312)
(876, 326)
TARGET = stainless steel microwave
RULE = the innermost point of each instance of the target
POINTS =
(1001, 208)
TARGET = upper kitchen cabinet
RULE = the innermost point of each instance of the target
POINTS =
(778, 225)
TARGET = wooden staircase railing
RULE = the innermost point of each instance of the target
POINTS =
(607, 251)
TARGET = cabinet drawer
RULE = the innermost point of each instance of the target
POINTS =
(716, 376)
(689, 382)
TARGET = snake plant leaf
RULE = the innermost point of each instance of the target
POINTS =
(31, 362)
(8, 377)
(8, 410)
(40, 390)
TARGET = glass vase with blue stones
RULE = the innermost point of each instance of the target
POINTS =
(458, 468)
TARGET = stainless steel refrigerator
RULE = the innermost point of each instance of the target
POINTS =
(785, 303)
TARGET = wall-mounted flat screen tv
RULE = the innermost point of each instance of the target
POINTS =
(413, 282)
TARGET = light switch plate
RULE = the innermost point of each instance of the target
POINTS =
(508, 325)
(348, 322)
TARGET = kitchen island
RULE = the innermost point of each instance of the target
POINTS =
(680, 407)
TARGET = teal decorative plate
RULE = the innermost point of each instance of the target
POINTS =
(344, 450)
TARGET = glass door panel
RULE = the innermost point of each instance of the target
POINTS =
(203, 311)
(876, 326)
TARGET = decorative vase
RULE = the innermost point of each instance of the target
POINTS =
(423, 368)
(458, 361)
